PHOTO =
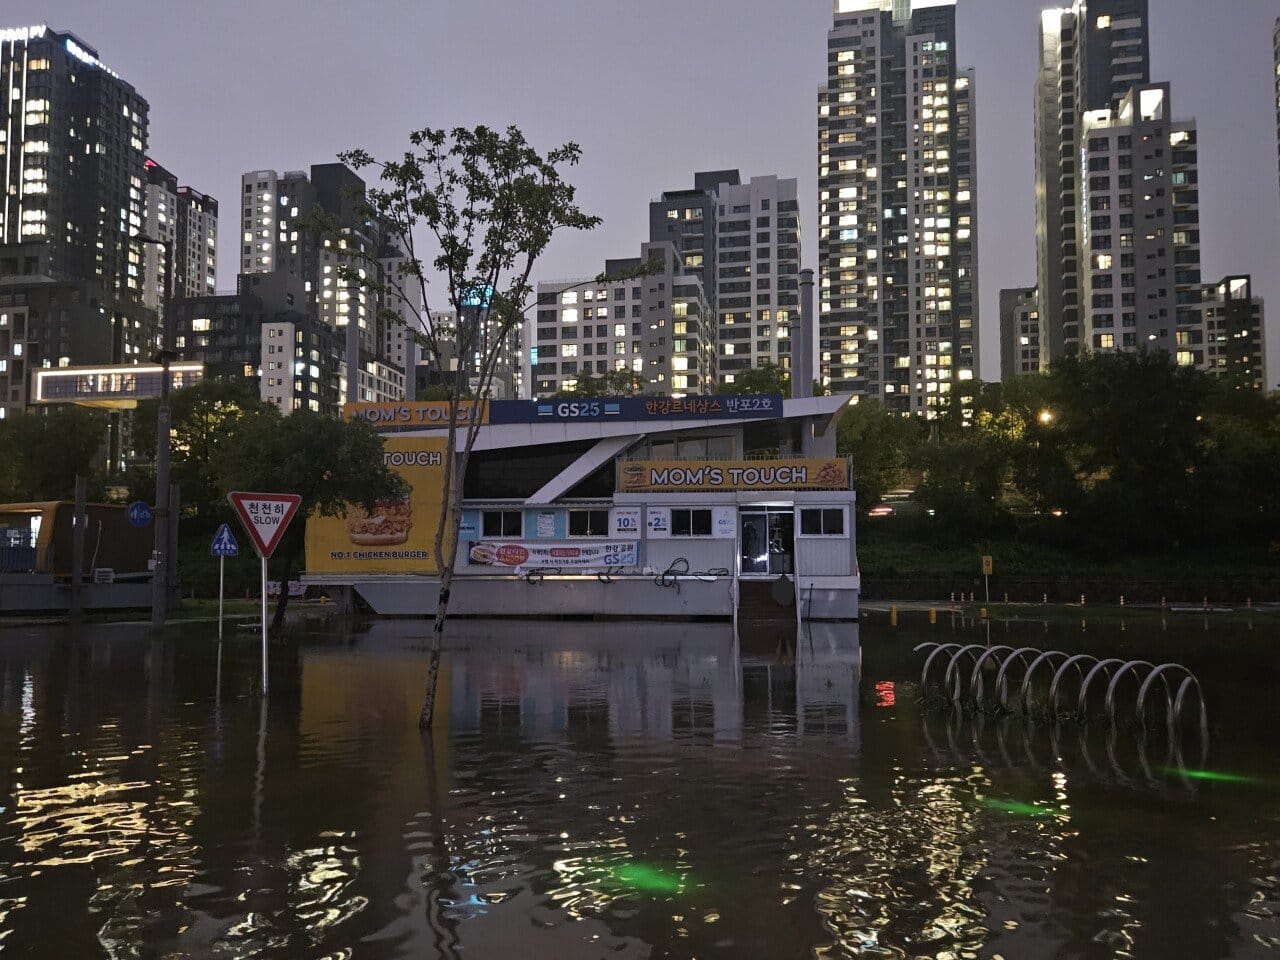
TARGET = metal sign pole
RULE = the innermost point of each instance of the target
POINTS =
(264, 626)
(222, 579)
(265, 517)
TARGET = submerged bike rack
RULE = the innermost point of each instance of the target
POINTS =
(1081, 671)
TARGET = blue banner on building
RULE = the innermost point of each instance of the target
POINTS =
(765, 406)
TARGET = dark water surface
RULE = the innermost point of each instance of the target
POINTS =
(605, 790)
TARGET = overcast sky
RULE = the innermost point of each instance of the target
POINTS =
(652, 92)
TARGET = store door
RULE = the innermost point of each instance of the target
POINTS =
(767, 539)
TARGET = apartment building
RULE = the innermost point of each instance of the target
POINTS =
(1091, 55)
(742, 242)
(188, 220)
(897, 180)
(1021, 333)
(1140, 226)
(276, 237)
(656, 325)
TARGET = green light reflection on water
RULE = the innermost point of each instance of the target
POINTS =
(1211, 775)
(646, 878)
(1019, 808)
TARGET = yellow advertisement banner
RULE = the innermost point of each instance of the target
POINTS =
(416, 414)
(674, 476)
(397, 537)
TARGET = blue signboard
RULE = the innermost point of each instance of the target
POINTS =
(224, 543)
(638, 409)
(139, 513)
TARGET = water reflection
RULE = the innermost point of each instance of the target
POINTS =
(597, 789)
(622, 681)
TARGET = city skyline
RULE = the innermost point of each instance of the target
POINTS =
(1221, 72)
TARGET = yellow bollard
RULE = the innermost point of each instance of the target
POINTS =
(893, 616)
(933, 615)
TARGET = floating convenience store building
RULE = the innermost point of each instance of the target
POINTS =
(631, 507)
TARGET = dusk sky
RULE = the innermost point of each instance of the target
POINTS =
(652, 92)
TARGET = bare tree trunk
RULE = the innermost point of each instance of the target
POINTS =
(446, 542)
(437, 639)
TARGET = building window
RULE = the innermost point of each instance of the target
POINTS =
(690, 522)
(822, 522)
(502, 523)
(588, 523)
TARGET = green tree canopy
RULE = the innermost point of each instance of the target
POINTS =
(1109, 453)
(329, 463)
(42, 451)
(881, 445)
(204, 418)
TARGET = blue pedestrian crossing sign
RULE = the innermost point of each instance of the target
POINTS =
(139, 513)
(224, 543)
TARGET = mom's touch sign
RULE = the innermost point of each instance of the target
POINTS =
(673, 476)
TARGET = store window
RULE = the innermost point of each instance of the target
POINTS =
(502, 523)
(588, 523)
(690, 522)
(822, 522)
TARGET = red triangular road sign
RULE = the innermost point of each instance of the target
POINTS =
(265, 516)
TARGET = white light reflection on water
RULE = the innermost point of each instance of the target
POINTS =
(900, 871)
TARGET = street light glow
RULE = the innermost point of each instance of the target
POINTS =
(1046, 416)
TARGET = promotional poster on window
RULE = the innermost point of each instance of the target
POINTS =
(514, 555)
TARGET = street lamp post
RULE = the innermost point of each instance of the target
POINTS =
(164, 356)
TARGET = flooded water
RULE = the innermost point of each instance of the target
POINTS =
(605, 790)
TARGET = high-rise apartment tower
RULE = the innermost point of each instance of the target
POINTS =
(188, 219)
(897, 228)
(275, 237)
(1091, 54)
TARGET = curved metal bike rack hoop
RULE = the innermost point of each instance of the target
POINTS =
(1133, 666)
(953, 669)
(1001, 683)
(1174, 703)
(975, 678)
(928, 661)
(1047, 657)
(1102, 666)
(1076, 660)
